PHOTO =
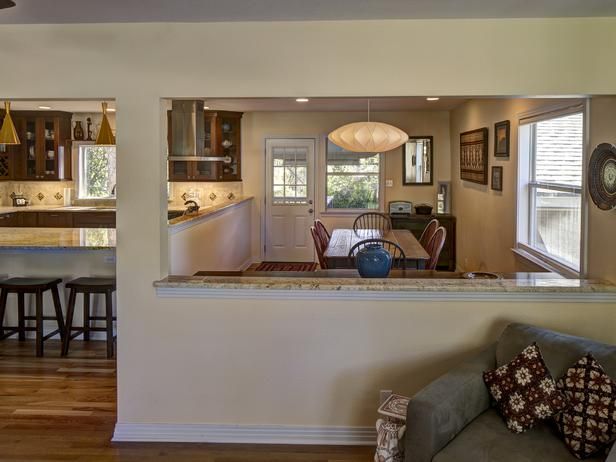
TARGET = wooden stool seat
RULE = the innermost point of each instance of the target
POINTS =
(36, 286)
(88, 286)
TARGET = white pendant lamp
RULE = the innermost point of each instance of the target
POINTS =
(368, 136)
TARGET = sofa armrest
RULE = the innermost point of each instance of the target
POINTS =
(441, 410)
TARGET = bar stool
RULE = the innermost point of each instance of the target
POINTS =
(36, 286)
(88, 286)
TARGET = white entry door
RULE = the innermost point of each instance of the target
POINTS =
(289, 199)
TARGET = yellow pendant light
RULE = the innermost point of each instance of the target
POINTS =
(368, 136)
(8, 134)
(105, 135)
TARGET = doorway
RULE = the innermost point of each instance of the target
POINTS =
(289, 203)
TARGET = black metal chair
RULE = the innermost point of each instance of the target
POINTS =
(372, 220)
(398, 258)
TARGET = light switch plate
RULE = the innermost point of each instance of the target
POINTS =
(389, 183)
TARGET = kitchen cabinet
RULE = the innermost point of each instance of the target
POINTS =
(94, 220)
(54, 219)
(8, 219)
(45, 151)
(222, 139)
(417, 223)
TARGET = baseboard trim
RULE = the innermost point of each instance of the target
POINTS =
(244, 434)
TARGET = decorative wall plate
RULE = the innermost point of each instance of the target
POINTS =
(602, 176)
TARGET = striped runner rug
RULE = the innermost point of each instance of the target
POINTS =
(286, 266)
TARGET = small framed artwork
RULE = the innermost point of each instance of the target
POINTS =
(497, 178)
(474, 156)
(501, 138)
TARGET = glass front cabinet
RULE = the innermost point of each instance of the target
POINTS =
(44, 152)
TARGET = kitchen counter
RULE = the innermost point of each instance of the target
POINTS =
(401, 285)
(57, 208)
(57, 239)
(185, 221)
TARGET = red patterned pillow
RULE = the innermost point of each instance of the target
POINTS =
(524, 390)
(588, 424)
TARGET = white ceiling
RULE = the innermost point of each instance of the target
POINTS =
(333, 104)
(78, 11)
(64, 105)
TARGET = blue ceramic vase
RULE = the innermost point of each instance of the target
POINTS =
(373, 261)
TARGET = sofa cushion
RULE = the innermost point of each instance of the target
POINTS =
(559, 351)
(486, 439)
(588, 424)
(524, 390)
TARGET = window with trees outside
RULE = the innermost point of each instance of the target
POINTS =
(352, 179)
(550, 205)
(97, 172)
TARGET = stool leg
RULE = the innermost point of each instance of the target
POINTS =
(39, 323)
(86, 316)
(21, 313)
(70, 312)
(3, 297)
(109, 321)
(58, 308)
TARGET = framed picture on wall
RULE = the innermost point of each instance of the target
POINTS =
(501, 138)
(497, 178)
(474, 156)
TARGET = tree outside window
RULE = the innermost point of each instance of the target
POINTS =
(97, 172)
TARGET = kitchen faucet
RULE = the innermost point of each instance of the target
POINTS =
(192, 207)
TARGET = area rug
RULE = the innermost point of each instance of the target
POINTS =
(286, 266)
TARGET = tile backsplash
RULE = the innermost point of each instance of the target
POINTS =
(203, 193)
(37, 192)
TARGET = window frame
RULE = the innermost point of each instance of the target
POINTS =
(78, 166)
(352, 211)
(527, 185)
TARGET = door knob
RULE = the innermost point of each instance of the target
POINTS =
(310, 201)
(310, 210)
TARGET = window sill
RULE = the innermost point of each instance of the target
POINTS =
(346, 213)
(546, 263)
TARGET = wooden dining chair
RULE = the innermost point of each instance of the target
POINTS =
(318, 246)
(428, 232)
(322, 232)
(398, 258)
(435, 246)
(372, 220)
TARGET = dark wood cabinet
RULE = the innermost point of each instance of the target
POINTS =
(27, 219)
(45, 150)
(8, 219)
(54, 219)
(417, 223)
(222, 139)
(94, 220)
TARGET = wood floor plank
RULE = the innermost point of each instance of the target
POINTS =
(64, 409)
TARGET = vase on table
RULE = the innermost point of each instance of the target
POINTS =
(78, 131)
(373, 261)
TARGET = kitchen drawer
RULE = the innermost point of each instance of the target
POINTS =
(27, 219)
(8, 219)
(55, 219)
(94, 220)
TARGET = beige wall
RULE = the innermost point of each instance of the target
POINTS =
(601, 253)
(486, 219)
(257, 126)
(267, 353)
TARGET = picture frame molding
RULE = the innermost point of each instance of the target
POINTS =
(497, 168)
(497, 126)
(470, 175)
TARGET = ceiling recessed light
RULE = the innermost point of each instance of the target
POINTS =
(432, 98)
(44, 107)
(302, 100)
(111, 109)
(206, 107)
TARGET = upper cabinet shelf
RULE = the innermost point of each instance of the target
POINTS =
(222, 139)
(45, 150)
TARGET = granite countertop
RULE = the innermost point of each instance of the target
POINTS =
(204, 211)
(57, 238)
(58, 208)
(528, 283)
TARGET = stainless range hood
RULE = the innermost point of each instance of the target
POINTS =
(188, 133)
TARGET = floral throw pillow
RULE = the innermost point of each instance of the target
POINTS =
(588, 424)
(524, 390)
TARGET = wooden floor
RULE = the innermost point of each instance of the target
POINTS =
(63, 409)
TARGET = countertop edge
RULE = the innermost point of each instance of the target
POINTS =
(184, 223)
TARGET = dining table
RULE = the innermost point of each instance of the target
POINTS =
(337, 252)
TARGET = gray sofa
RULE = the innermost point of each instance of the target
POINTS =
(452, 418)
